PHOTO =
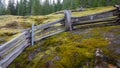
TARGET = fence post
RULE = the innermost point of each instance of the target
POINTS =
(32, 35)
(68, 23)
(118, 12)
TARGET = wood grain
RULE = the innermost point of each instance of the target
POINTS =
(11, 41)
(95, 16)
(49, 35)
(96, 21)
(10, 57)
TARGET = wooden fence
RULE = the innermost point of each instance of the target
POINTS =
(10, 50)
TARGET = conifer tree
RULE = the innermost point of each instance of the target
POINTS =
(11, 7)
(36, 7)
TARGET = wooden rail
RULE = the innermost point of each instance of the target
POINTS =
(10, 50)
(96, 21)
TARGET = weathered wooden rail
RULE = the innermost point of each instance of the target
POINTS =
(10, 50)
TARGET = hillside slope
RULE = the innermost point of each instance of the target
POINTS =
(11, 25)
(74, 49)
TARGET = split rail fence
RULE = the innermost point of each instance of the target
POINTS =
(10, 50)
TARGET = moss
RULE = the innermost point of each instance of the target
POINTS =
(72, 56)
(8, 34)
(51, 17)
(92, 42)
(92, 11)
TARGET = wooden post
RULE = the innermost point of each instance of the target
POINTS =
(118, 12)
(32, 35)
(118, 7)
(68, 23)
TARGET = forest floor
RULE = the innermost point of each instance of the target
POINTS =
(74, 49)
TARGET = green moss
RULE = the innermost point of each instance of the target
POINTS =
(8, 34)
(92, 11)
(92, 42)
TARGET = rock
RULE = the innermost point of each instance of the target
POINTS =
(98, 52)
(102, 61)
